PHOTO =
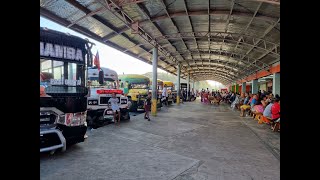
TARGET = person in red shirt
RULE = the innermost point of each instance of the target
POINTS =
(275, 110)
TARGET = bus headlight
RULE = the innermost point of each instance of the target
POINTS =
(73, 119)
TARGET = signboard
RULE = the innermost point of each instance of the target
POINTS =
(183, 85)
(59, 46)
(61, 52)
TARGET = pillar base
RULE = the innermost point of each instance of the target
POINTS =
(154, 107)
(178, 100)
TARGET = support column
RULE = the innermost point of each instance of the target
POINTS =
(237, 88)
(276, 84)
(194, 91)
(154, 81)
(178, 83)
(188, 88)
(244, 87)
(254, 86)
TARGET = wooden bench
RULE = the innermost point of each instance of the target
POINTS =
(258, 116)
(276, 126)
(266, 120)
(214, 100)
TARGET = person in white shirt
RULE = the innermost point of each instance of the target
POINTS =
(165, 94)
(114, 101)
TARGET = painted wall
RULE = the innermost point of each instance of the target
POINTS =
(263, 86)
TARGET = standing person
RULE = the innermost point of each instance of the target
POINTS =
(115, 107)
(147, 106)
(165, 94)
(181, 96)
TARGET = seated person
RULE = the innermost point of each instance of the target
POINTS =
(258, 108)
(264, 101)
(232, 98)
(253, 103)
(236, 101)
(228, 97)
(241, 100)
(267, 111)
(269, 97)
(205, 97)
(246, 104)
(275, 110)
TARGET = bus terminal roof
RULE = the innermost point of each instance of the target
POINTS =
(221, 40)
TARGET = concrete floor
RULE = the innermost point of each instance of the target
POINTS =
(186, 142)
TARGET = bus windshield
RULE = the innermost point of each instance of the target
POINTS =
(138, 86)
(106, 84)
(61, 76)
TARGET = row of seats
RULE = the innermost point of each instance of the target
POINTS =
(275, 125)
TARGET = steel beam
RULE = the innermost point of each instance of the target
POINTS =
(233, 36)
(219, 37)
(114, 34)
(245, 29)
(145, 11)
(235, 57)
(275, 2)
(213, 74)
(222, 76)
(264, 34)
(222, 12)
(174, 24)
(121, 15)
(209, 77)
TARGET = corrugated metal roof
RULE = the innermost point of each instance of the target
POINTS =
(226, 42)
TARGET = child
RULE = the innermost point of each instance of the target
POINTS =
(115, 107)
(147, 106)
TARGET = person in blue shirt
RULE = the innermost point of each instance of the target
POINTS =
(253, 103)
(267, 110)
(246, 99)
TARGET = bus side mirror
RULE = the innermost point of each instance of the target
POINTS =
(101, 77)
